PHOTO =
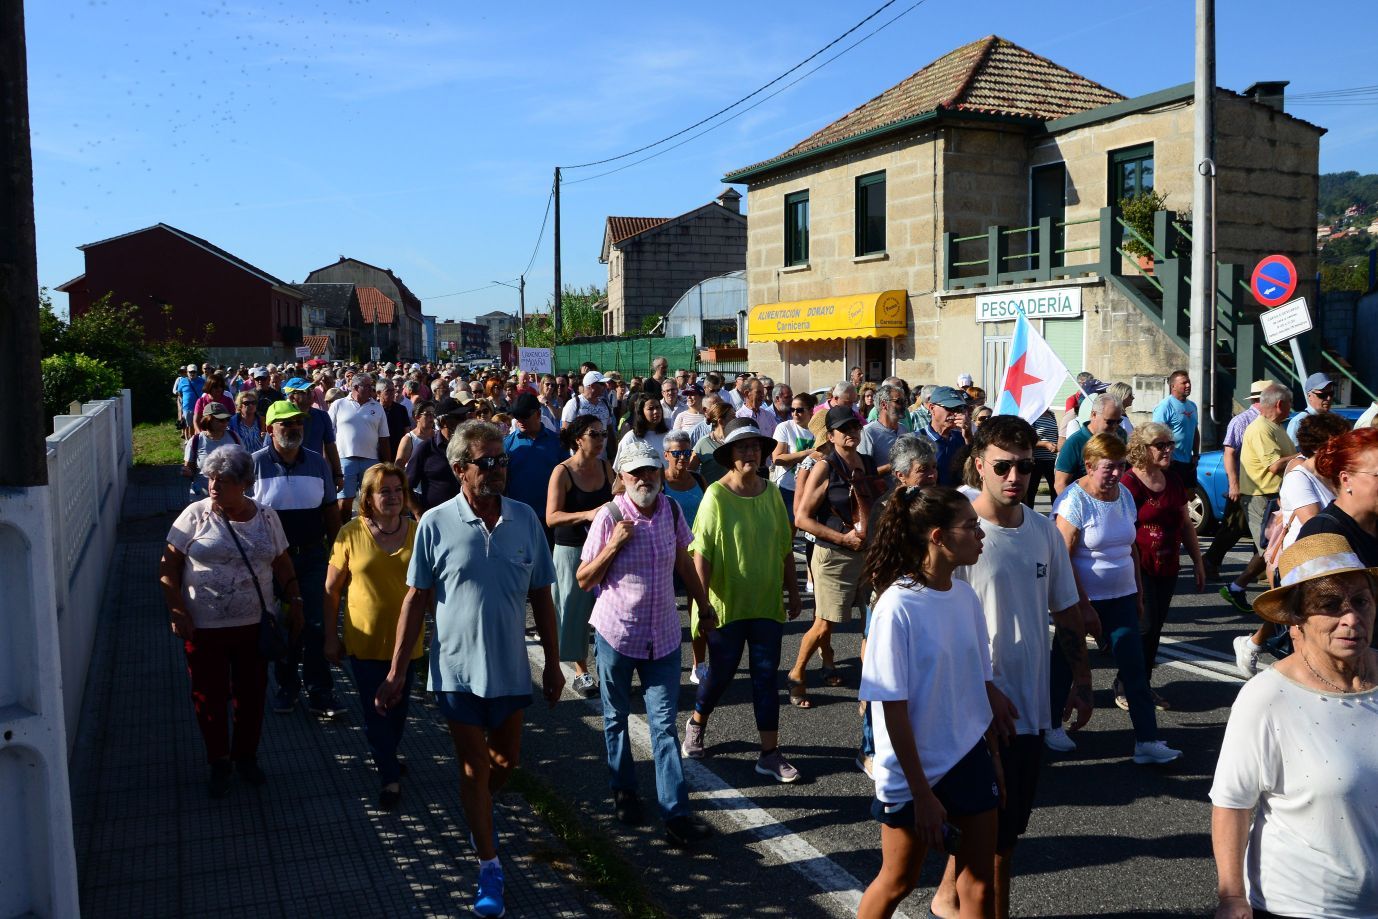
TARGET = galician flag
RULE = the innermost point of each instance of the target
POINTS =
(1033, 377)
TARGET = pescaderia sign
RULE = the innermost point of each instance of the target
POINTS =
(1049, 303)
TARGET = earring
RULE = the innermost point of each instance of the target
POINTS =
(1349, 491)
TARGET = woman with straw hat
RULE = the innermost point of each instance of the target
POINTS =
(1294, 826)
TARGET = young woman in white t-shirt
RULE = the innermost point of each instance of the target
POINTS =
(936, 766)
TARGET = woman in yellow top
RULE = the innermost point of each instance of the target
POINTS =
(371, 556)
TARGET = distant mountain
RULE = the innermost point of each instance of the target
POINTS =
(1342, 190)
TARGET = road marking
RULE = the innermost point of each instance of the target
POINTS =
(840, 890)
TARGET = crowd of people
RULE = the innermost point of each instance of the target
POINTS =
(410, 520)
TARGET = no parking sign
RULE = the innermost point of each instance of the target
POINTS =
(1274, 280)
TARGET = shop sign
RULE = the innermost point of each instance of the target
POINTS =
(1048, 303)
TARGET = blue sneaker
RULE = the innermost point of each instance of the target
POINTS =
(490, 890)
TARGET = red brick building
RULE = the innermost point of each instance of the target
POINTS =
(181, 281)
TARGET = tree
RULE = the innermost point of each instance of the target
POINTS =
(580, 313)
(51, 328)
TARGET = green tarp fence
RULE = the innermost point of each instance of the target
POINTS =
(628, 356)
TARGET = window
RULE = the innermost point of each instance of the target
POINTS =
(870, 213)
(1131, 171)
(719, 333)
(797, 228)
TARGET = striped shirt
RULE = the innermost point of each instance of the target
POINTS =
(635, 610)
(298, 492)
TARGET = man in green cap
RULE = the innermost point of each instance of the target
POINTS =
(297, 484)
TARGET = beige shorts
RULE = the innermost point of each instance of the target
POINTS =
(837, 584)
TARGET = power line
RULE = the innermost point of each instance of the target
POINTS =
(541, 235)
(757, 91)
(460, 293)
(800, 78)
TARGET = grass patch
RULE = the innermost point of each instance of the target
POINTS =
(598, 864)
(157, 444)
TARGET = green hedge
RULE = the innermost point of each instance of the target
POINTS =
(71, 378)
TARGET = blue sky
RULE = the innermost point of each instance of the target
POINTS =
(421, 136)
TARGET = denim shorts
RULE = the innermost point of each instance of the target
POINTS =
(353, 468)
(489, 714)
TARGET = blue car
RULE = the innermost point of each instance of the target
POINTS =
(1207, 504)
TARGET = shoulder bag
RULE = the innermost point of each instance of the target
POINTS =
(272, 638)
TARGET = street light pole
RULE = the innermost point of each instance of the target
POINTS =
(1201, 351)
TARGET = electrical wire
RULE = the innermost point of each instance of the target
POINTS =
(460, 293)
(755, 92)
(540, 237)
(736, 115)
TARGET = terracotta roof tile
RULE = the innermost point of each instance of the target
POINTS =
(318, 344)
(620, 228)
(373, 302)
(990, 76)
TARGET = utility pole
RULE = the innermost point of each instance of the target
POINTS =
(521, 292)
(1201, 360)
(556, 319)
(23, 461)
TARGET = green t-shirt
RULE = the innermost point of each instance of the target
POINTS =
(745, 541)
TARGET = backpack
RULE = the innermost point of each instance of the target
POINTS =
(615, 513)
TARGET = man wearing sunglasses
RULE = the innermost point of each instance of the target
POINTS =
(1106, 415)
(298, 484)
(1320, 394)
(1023, 575)
(478, 559)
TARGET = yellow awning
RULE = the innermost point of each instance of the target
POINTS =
(881, 315)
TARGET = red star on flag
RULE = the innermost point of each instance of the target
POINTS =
(1016, 379)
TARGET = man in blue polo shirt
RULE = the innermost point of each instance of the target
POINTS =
(946, 408)
(1182, 417)
(188, 389)
(297, 483)
(478, 559)
(533, 452)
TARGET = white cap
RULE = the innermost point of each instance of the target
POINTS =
(255, 372)
(191, 367)
(636, 455)
(593, 376)
(965, 379)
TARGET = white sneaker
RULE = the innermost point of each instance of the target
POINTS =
(584, 685)
(1154, 752)
(1246, 655)
(1057, 739)
(699, 673)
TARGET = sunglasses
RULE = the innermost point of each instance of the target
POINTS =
(798, 409)
(1113, 422)
(489, 463)
(597, 435)
(1002, 467)
(1162, 445)
(681, 454)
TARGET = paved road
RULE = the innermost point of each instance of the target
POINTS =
(1108, 838)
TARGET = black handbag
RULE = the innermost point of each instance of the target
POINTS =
(272, 637)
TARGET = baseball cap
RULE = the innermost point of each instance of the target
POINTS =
(948, 397)
(215, 410)
(965, 379)
(693, 389)
(296, 384)
(525, 405)
(192, 367)
(636, 455)
(1091, 385)
(839, 416)
(282, 410)
(256, 372)
(1318, 381)
(593, 376)
(1256, 390)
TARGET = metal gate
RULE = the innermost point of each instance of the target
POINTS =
(997, 350)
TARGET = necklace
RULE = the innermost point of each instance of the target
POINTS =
(383, 532)
(1315, 673)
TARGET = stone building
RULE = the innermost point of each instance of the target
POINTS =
(652, 261)
(501, 327)
(407, 335)
(461, 339)
(896, 237)
(331, 311)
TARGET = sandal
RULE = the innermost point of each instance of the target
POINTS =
(831, 676)
(799, 695)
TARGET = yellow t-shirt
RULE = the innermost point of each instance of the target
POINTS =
(1264, 444)
(377, 586)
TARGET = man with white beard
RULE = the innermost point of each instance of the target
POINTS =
(299, 485)
(636, 543)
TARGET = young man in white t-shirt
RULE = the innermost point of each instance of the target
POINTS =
(1024, 574)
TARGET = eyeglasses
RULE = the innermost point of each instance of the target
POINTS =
(679, 454)
(1002, 467)
(248, 402)
(1162, 445)
(290, 422)
(489, 463)
(597, 435)
(1113, 422)
(972, 527)
(798, 409)
(1323, 393)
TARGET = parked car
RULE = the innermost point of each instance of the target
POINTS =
(1207, 504)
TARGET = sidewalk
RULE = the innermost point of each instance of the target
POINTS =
(150, 842)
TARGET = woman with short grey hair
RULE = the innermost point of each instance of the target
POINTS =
(1123, 393)
(218, 547)
(913, 461)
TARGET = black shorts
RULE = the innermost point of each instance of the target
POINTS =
(968, 789)
(1021, 760)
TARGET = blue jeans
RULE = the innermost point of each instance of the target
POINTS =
(725, 645)
(1119, 623)
(868, 733)
(309, 648)
(660, 686)
(383, 732)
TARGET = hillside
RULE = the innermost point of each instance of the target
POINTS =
(1342, 190)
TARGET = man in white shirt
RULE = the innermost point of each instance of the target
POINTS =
(361, 437)
(670, 405)
(590, 401)
(737, 393)
(1024, 574)
(754, 407)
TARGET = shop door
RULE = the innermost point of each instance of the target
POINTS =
(1048, 198)
(876, 359)
(997, 351)
(1065, 337)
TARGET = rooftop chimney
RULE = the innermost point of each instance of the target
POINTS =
(730, 199)
(1269, 93)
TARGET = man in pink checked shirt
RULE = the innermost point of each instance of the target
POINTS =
(635, 546)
